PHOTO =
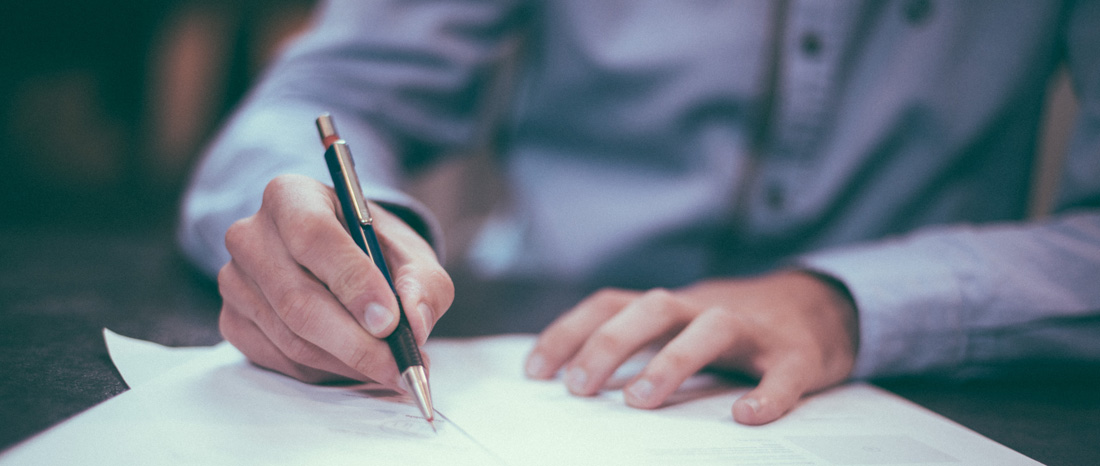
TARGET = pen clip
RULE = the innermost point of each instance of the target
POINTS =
(351, 181)
(346, 164)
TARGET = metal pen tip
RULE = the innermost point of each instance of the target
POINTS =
(417, 382)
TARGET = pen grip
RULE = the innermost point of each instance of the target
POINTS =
(402, 343)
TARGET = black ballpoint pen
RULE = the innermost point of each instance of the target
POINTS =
(361, 226)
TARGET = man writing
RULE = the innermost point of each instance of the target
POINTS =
(805, 192)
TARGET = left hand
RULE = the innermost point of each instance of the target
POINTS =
(796, 333)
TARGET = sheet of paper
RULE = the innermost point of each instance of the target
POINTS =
(140, 361)
(218, 409)
(481, 387)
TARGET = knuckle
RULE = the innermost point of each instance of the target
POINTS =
(279, 187)
(671, 360)
(297, 309)
(659, 298)
(225, 278)
(408, 281)
(229, 326)
(606, 341)
(570, 324)
(605, 302)
(609, 294)
(662, 304)
(440, 279)
(231, 287)
(427, 282)
(300, 351)
(346, 279)
(723, 317)
(363, 360)
(305, 233)
(236, 236)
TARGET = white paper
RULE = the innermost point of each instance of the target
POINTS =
(538, 422)
(218, 409)
(140, 361)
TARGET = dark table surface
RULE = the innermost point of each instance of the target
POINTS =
(59, 289)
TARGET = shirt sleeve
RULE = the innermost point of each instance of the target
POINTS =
(406, 82)
(969, 300)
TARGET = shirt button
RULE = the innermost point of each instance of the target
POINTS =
(810, 44)
(775, 197)
(916, 12)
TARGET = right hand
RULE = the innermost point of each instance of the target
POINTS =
(299, 297)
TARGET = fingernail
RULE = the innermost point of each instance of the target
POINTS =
(575, 380)
(377, 318)
(535, 365)
(425, 320)
(641, 391)
(752, 404)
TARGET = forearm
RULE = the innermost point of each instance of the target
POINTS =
(399, 99)
(262, 141)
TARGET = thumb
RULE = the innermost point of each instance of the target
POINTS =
(778, 391)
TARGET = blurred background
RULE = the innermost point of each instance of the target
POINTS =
(104, 105)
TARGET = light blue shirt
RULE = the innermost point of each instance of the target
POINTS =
(889, 144)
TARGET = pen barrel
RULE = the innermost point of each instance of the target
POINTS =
(361, 228)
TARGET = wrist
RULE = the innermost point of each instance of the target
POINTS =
(843, 302)
(839, 289)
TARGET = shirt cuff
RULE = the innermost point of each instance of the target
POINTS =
(909, 301)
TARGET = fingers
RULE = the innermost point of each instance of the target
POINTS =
(311, 313)
(302, 215)
(778, 391)
(262, 352)
(564, 337)
(649, 317)
(781, 387)
(426, 289)
(709, 335)
(316, 239)
(784, 328)
(301, 298)
(243, 304)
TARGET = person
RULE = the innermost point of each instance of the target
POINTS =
(806, 192)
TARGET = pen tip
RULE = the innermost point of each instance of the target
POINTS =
(417, 382)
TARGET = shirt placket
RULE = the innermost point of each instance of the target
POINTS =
(813, 40)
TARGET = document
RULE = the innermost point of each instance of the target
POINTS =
(213, 407)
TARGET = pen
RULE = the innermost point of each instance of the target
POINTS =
(361, 226)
